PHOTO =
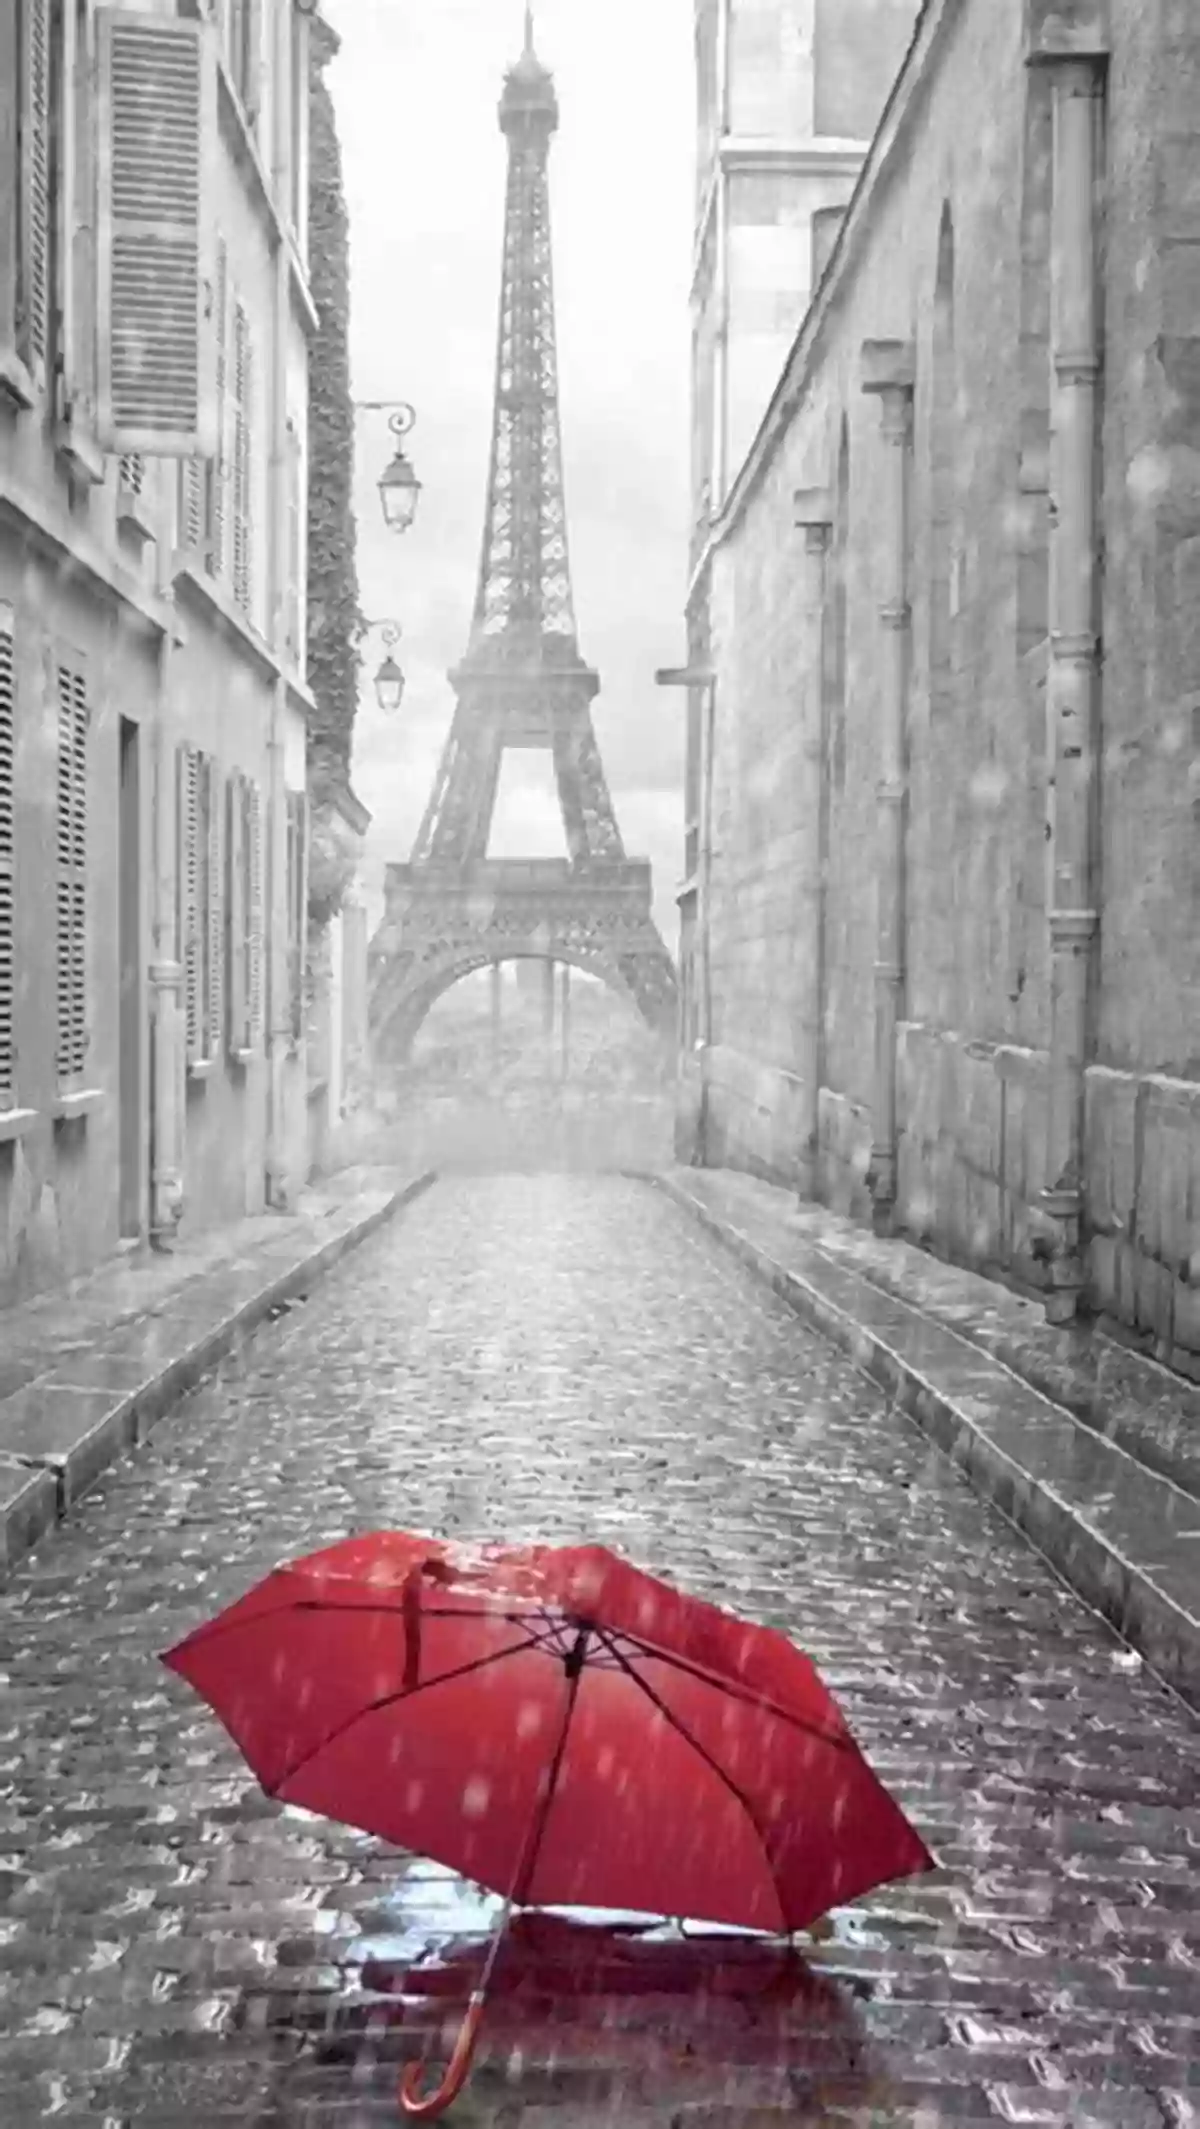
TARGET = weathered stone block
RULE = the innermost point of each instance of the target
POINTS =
(1066, 29)
(1111, 1155)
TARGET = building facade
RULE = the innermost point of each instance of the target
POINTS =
(945, 971)
(154, 321)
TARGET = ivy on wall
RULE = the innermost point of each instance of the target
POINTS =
(335, 624)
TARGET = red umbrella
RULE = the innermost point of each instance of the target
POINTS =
(556, 1725)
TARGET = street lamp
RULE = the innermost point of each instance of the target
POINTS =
(399, 488)
(389, 680)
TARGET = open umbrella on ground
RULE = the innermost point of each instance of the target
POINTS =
(554, 1724)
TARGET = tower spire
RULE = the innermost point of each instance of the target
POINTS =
(523, 603)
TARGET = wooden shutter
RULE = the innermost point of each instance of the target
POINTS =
(254, 915)
(243, 384)
(35, 204)
(191, 506)
(8, 861)
(71, 875)
(237, 1034)
(214, 915)
(190, 889)
(153, 130)
(218, 465)
(297, 827)
(295, 539)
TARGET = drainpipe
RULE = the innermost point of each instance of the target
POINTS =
(814, 517)
(1071, 38)
(888, 372)
(166, 981)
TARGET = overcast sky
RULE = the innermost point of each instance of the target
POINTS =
(416, 86)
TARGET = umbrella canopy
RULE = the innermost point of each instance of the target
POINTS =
(555, 1724)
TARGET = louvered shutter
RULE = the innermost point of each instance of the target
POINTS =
(254, 910)
(235, 914)
(71, 876)
(243, 385)
(8, 862)
(295, 541)
(191, 936)
(191, 505)
(218, 465)
(215, 914)
(35, 205)
(297, 808)
(154, 79)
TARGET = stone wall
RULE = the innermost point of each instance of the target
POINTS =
(947, 249)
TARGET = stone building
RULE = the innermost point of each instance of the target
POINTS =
(942, 926)
(154, 319)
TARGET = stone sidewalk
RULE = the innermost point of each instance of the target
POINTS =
(1091, 1450)
(86, 1373)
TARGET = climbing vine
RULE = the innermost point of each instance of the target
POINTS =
(334, 618)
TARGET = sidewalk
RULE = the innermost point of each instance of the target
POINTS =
(86, 1372)
(1091, 1450)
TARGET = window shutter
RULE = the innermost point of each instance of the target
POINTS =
(235, 918)
(71, 881)
(218, 465)
(295, 544)
(243, 383)
(8, 862)
(152, 120)
(297, 809)
(254, 916)
(191, 937)
(215, 914)
(34, 190)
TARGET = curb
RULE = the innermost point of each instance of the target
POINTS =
(97, 1426)
(1142, 1600)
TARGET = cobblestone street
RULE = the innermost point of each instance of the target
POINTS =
(568, 1357)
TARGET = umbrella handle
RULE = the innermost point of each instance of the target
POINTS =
(457, 2071)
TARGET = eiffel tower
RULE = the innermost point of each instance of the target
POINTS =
(522, 683)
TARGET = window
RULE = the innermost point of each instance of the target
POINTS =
(202, 905)
(942, 476)
(244, 915)
(151, 119)
(26, 206)
(243, 40)
(242, 382)
(295, 544)
(8, 862)
(857, 49)
(297, 869)
(839, 614)
(71, 1043)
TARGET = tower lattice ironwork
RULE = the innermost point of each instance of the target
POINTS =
(522, 683)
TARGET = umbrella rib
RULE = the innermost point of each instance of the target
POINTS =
(387, 1700)
(734, 1691)
(702, 1753)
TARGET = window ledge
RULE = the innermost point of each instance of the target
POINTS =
(80, 453)
(200, 1068)
(16, 384)
(82, 1102)
(14, 1123)
(246, 1054)
(133, 516)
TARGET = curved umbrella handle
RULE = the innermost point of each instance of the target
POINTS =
(457, 2072)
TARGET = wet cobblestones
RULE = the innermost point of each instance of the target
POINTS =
(563, 1357)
